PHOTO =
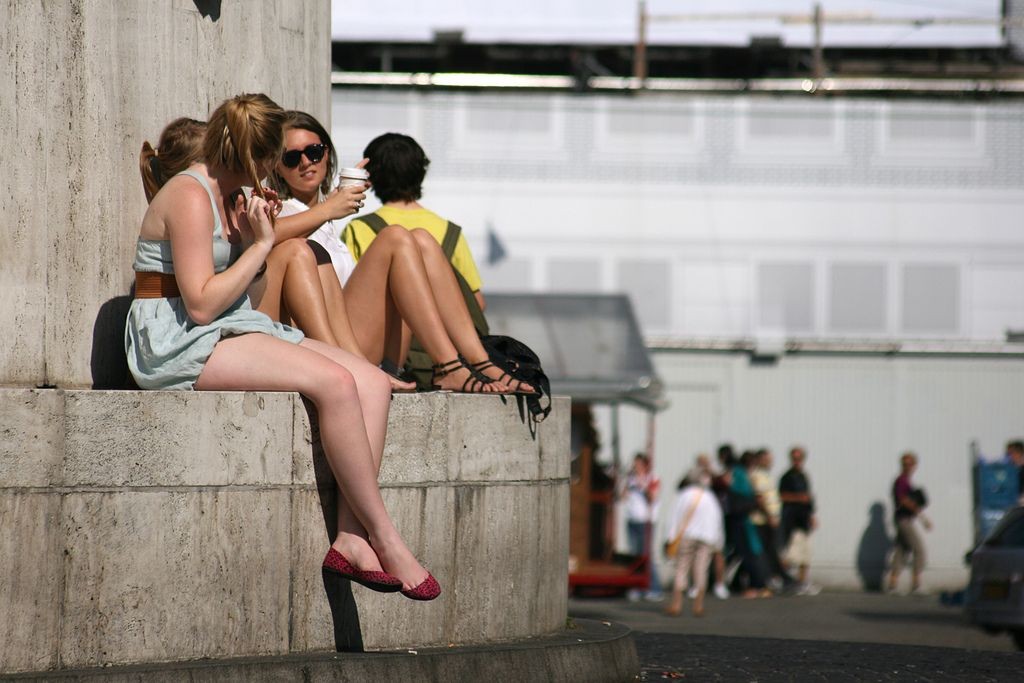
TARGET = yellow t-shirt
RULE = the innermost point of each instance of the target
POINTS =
(358, 236)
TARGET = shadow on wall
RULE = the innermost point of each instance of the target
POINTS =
(208, 8)
(873, 550)
(348, 635)
(108, 362)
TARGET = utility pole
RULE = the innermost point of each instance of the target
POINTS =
(818, 51)
(640, 50)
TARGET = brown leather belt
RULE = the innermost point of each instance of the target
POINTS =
(155, 285)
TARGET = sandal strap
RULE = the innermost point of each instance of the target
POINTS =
(519, 383)
(476, 380)
(473, 383)
(444, 369)
(475, 370)
(483, 365)
(505, 377)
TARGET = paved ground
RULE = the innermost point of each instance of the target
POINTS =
(832, 636)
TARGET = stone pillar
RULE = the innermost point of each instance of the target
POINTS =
(84, 83)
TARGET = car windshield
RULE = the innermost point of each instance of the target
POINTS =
(1009, 533)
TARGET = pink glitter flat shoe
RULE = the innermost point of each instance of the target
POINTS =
(381, 582)
(428, 589)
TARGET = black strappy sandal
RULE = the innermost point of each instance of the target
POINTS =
(518, 389)
(474, 382)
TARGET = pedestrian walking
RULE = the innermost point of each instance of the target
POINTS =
(697, 531)
(766, 518)
(908, 503)
(798, 520)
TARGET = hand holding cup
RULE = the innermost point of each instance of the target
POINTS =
(350, 195)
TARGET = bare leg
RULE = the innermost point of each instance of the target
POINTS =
(352, 398)
(291, 277)
(452, 307)
(334, 299)
(392, 267)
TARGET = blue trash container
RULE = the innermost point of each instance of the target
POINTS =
(996, 489)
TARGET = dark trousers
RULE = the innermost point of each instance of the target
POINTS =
(752, 564)
(771, 553)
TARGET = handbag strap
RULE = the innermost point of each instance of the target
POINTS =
(689, 516)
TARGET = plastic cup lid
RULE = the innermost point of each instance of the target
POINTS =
(361, 173)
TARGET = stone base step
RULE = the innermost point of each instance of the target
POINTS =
(591, 651)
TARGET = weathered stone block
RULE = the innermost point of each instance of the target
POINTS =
(311, 625)
(418, 439)
(552, 544)
(477, 454)
(177, 438)
(172, 575)
(31, 587)
(31, 437)
(553, 435)
(423, 516)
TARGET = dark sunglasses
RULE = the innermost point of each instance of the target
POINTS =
(314, 153)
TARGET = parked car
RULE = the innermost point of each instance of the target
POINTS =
(995, 596)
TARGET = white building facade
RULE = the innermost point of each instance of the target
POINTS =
(742, 217)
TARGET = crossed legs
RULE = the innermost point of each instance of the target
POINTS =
(352, 398)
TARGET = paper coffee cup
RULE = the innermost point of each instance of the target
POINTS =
(353, 176)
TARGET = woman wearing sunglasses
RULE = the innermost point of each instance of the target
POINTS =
(403, 276)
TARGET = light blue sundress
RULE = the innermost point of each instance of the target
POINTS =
(166, 349)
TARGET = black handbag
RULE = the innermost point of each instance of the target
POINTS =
(520, 362)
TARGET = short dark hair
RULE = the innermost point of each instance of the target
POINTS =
(397, 166)
(1017, 446)
(726, 455)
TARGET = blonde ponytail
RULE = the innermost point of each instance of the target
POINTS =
(244, 132)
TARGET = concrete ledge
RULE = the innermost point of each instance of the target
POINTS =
(591, 651)
(140, 527)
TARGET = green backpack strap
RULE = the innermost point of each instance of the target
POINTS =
(451, 239)
(374, 221)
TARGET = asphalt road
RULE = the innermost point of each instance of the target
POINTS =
(832, 636)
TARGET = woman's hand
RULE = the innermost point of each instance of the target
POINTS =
(258, 222)
(274, 200)
(345, 201)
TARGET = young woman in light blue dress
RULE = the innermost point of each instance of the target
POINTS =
(192, 326)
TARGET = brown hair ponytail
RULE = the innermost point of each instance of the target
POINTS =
(149, 168)
(180, 146)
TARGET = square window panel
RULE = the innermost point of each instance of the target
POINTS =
(785, 296)
(931, 298)
(649, 285)
(574, 275)
(858, 298)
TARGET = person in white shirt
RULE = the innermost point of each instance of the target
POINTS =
(697, 523)
(641, 499)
